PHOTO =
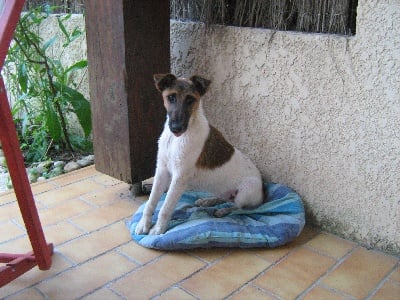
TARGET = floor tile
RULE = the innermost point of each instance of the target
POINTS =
(175, 294)
(9, 230)
(41, 187)
(108, 195)
(35, 275)
(18, 245)
(226, 275)
(87, 246)
(295, 273)
(157, 276)
(30, 294)
(107, 180)
(103, 294)
(81, 280)
(7, 197)
(395, 276)
(139, 253)
(360, 272)
(389, 291)
(9, 211)
(210, 255)
(102, 216)
(63, 211)
(331, 245)
(319, 292)
(251, 293)
(61, 232)
(73, 190)
(84, 213)
(276, 254)
(75, 176)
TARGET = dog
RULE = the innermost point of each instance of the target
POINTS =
(193, 155)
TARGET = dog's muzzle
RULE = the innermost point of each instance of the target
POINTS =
(177, 127)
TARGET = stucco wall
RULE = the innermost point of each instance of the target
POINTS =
(320, 113)
(70, 55)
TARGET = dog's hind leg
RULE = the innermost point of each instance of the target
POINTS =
(211, 201)
(222, 212)
(250, 193)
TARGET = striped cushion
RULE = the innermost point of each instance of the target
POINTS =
(276, 222)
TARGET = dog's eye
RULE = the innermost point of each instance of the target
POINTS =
(190, 100)
(172, 98)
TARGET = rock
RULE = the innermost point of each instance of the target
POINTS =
(56, 171)
(33, 175)
(41, 179)
(32, 178)
(71, 166)
(45, 164)
(42, 167)
(4, 178)
(9, 183)
(3, 162)
(59, 164)
(86, 161)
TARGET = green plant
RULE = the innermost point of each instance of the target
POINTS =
(44, 91)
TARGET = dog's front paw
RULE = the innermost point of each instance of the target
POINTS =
(158, 229)
(143, 227)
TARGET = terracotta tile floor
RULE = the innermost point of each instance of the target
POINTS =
(84, 214)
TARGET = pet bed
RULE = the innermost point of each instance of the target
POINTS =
(279, 220)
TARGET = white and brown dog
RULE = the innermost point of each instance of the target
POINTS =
(193, 155)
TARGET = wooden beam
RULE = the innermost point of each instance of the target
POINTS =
(128, 41)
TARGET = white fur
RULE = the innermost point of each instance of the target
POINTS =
(176, 172)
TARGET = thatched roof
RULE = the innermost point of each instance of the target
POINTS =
(325, 16)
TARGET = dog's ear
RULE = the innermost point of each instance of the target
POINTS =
(201, 84)
(164, 81)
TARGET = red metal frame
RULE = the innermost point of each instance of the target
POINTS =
(18, 264)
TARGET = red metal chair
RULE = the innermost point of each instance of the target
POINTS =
(15, 265)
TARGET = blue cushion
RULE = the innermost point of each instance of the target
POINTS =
(276, 222)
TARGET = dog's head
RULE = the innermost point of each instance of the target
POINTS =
(181, 98)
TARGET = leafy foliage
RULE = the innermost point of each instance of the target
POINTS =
(44, 91)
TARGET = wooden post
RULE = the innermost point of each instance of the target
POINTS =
(128, 41)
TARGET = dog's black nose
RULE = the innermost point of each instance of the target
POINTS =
(176, 127)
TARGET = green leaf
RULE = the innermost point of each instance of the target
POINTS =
(80, 104)
(66, 17)
(52, 123)
(77, 66)
(75, 34)
(62, 28)
(23, 77)
(48, 43)
(24, 123)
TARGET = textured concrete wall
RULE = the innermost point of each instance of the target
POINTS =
(75, 52)
(320, 113)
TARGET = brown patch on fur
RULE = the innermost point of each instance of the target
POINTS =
(216, 151)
